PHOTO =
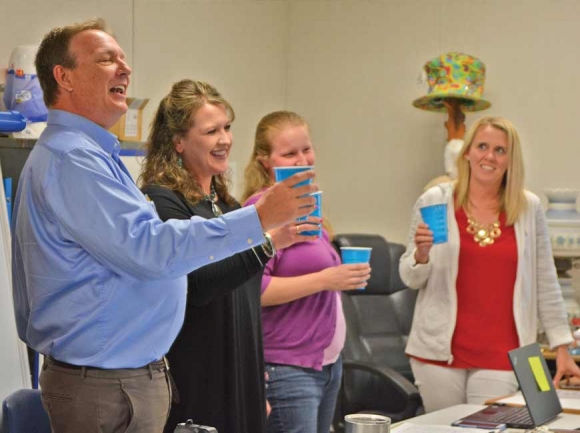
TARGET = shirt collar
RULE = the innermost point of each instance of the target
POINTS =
(103, 138)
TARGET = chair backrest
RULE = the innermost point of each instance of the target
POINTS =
(22, 412)
(378, 319)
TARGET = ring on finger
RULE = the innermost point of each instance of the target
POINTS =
(297, 229)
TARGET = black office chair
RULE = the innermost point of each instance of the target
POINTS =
(22, 412)
(377, 376)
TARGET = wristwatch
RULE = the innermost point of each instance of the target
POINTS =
(268, 246)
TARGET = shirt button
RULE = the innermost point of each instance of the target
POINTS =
(250, 241)
(211, 257)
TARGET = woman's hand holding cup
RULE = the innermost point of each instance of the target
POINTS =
(423, 242)
(292, 233)
(346, 276)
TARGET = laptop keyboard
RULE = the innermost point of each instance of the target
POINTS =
(519, 417)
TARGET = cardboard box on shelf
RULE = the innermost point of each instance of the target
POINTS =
(130, 125)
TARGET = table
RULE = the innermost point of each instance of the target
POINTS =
(448, 415)
(551, 355)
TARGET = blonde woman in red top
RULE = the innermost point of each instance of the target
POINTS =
(485, 290)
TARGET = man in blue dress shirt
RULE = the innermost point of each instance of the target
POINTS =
(99, 281)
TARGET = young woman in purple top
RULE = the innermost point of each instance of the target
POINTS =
(302, 319)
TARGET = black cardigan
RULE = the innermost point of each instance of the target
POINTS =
(217, 359)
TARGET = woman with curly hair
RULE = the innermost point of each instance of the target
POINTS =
(216, 360)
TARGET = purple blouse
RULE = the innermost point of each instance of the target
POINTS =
(298, 332)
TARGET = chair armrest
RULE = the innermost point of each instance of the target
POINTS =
(392, 382)
(393, 378)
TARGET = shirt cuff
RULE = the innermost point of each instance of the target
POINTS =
(245, 228)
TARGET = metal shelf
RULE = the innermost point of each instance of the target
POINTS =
(15, 151)
(7, 142)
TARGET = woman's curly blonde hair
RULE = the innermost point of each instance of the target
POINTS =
(174, 116)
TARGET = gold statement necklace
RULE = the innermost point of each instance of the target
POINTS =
(484, 235)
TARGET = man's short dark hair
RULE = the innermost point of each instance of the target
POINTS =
(54, 50)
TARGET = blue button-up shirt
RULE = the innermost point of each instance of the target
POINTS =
(98, 278)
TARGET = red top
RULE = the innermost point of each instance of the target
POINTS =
(485, 329)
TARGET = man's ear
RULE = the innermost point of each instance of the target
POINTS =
(63, 77)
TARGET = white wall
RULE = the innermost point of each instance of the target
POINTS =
(27, 22)
(238, 46)
(351, 67)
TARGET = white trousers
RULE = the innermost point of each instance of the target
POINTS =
(441, 387)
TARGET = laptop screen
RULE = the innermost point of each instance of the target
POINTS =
(543, 405)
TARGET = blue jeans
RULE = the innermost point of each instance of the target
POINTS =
(302, 399)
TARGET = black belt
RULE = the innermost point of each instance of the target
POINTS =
(155, 365)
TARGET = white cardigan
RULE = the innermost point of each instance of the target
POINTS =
(537, 293)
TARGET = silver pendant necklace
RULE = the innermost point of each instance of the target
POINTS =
(212, 198)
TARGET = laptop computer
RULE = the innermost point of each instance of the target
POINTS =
(541, 406)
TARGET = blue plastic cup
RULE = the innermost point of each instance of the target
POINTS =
(317, 213)
(353, 255)
(282, 173)
(435, 216)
